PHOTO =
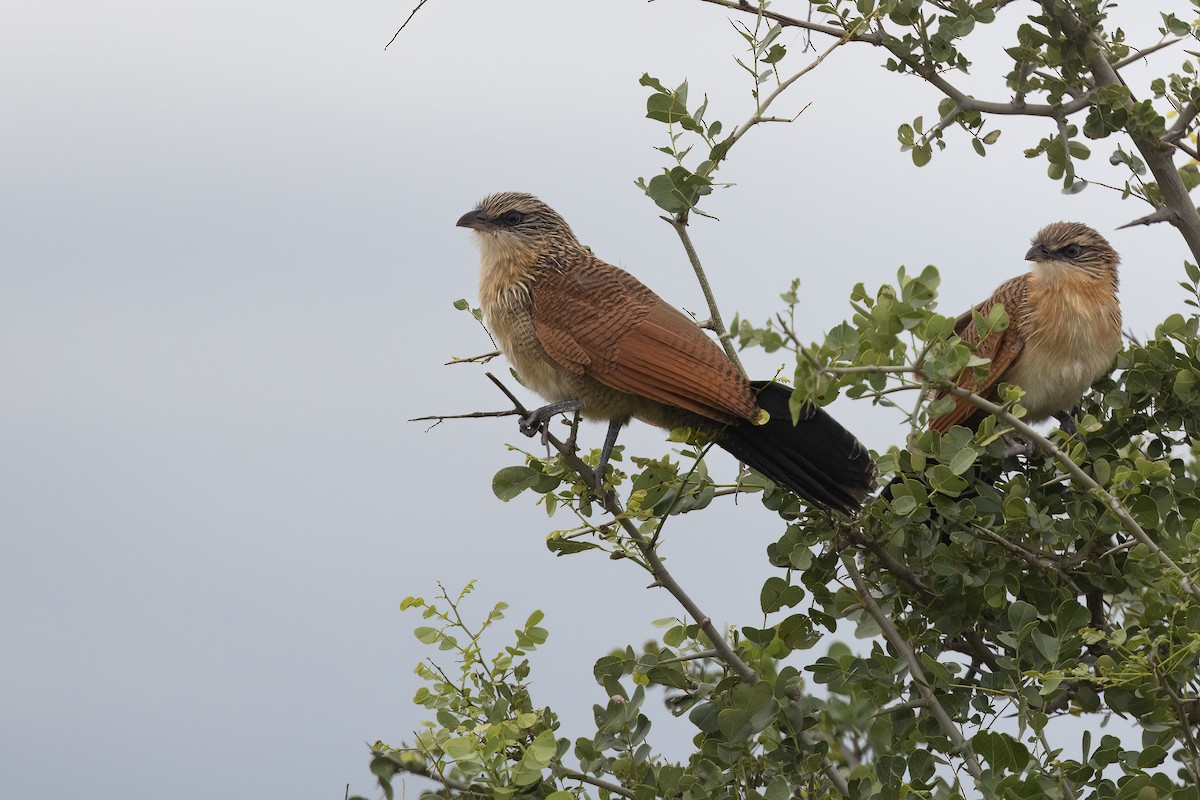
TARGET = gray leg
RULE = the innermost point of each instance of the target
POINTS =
(614, 427)
(535, 421)
(1066, 420)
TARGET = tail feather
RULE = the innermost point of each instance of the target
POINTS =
(816, 458)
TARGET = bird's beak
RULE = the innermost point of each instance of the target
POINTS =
(473, 219)
(1036, 253)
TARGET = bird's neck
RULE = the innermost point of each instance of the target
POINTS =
(505, 267)
(1060, 276)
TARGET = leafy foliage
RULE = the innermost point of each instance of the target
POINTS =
(998, 589)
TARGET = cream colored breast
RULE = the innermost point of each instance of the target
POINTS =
(1072, 332)
(506, 312)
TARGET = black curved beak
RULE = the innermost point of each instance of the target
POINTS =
(1036, 253)
(473, 219)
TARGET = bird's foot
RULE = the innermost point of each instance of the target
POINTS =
(1017, 446)
(536, 421)
(1066, 421)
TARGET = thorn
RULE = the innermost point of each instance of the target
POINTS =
(1160, 214)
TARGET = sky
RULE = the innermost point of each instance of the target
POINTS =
(227, 267)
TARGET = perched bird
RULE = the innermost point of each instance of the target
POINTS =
(1064, 327)
(590, 337)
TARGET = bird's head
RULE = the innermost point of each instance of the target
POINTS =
(1065, 246)
(514, 226)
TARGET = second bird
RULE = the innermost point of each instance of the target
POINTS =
(1064, 327)
(590, 337)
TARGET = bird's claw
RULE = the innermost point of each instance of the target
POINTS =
(531, 424)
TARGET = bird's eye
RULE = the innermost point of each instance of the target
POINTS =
(513, 218)
(1073, 250)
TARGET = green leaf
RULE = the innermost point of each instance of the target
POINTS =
(1021, 614)
(1002, 752)
(511, 481)
(963, 460)
(664, 107)
(461, 748)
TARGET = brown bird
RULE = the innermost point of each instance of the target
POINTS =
(1064, 327)
(590, 337)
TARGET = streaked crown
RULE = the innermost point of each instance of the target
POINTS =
(1075, 244)
(519, 215)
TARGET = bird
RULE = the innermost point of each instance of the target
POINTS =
(591, 338)
(1064, 328)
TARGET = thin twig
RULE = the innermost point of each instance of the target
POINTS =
(479, 359)
(473, 415)
(717, 325)
(690, 657)
(794, 22)
(405, 25)
(1140, 54)
(1029, 557)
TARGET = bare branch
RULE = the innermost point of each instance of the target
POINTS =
(1140, 54)
(714, 322)
(439, 419)
(703, 654)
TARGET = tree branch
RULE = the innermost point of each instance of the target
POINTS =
(715, 323)
(1155, 153)
(794, 22)
(1077, 473)
(423, 771)
(1051, 449)
(664, 578)
(473, 415)
(576, 775)
(479, 359)
(914, 667)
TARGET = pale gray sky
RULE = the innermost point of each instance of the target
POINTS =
(227, 263)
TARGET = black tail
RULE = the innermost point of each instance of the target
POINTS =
(816, 458)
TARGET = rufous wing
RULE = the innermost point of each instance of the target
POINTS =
(1001, 347)
(597, 320)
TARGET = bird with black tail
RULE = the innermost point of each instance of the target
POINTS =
(590, 337)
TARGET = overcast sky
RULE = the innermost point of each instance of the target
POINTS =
(227, 266)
